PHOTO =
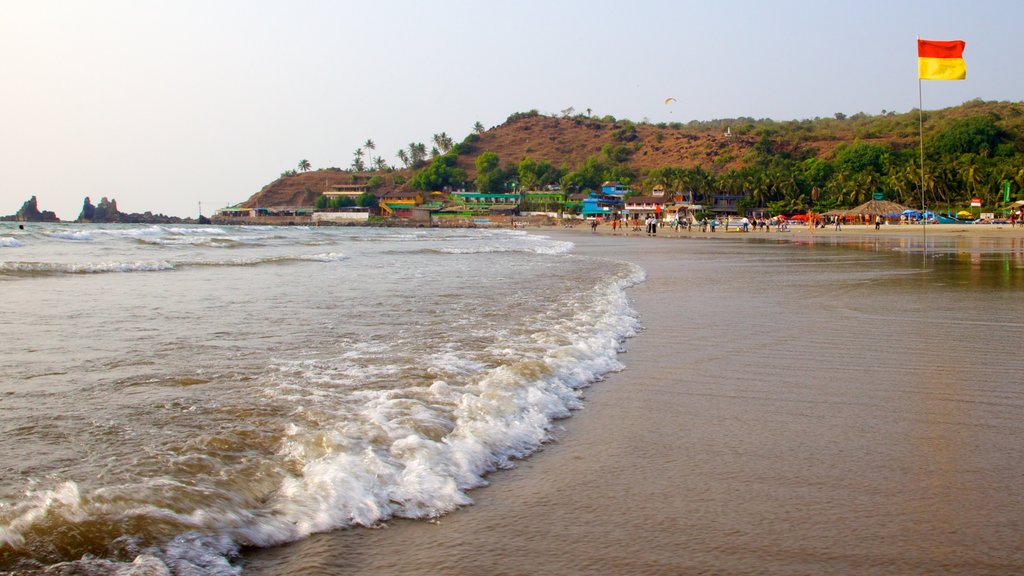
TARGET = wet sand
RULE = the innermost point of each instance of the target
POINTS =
(777, 415)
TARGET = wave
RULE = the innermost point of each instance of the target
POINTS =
(52, 269)
(354, 455)
(549, 248)
(7, 242)
(82, 236)
(213, 242)
(433, 444)
(48, 268)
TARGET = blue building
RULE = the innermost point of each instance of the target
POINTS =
(597, 204)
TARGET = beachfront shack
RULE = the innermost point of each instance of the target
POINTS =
(352, 191)
(599, 205)
(481, 201)
(399, 204)
(612, 188)
(726, 203)
(544, 201)
(644, 206)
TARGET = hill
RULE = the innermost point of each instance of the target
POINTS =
(820, 158)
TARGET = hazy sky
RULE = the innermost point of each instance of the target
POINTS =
(166, 104)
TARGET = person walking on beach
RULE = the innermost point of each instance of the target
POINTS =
(878, 222)
(839, 223)
(593, 226)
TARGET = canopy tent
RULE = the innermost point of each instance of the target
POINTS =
(877, 208)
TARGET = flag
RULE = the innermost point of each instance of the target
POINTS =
(941, 60)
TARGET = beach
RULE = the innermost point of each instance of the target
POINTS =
(844, 405)
(539, 400)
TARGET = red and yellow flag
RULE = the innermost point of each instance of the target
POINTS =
(941, 60)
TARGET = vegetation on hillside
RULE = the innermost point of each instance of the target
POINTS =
(969, 151)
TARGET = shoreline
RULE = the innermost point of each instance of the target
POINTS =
(722, 447)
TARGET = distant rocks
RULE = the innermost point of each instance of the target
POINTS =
(30, 212)
(106, 212)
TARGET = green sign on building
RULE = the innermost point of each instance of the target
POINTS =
(878, 196)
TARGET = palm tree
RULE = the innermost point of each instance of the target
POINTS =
(404, 157)
(367, 146)
(478, 128)
(304, 165)
(443, 142)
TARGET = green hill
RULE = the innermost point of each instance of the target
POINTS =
(821, 163)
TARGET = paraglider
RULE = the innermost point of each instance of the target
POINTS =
(670, 99)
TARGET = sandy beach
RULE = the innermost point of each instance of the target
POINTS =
(790, 407)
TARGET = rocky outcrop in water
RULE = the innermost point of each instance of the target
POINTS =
(106, 212)
(30, 212)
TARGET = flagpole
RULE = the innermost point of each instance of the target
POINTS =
(920, 115)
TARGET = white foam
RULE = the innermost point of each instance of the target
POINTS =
(86, 268)
(82, 236)
(63, 500)
(7, 242)
(416, 455)
(325, 257)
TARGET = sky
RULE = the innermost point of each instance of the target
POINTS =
(172, 106)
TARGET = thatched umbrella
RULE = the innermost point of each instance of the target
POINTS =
(876, 208)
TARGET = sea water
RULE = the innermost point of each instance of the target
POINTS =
(174, 394)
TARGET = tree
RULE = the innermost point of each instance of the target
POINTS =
(369, 145)
(417, 154)
(442, 173)
(357, 162)
(478, 128)
(978, 135)
(489, 177)
(404, 157)
(366, 200)
(304, 165)
(443, 142)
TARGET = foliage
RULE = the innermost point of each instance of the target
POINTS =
(520, 115)
(489, 176)
(976, 135)
(442, 173)
(366, 200)
(535, 175)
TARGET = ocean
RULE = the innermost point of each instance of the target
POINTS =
(267, 401)
(173, 395)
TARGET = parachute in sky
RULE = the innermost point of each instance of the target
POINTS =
(670, 99)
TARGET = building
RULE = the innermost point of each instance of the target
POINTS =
(544, 200)
(599, 205)
(345, 190)
(482, 202)
(399, 204)
(644, 206)
(612, 188)
(726, 203)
